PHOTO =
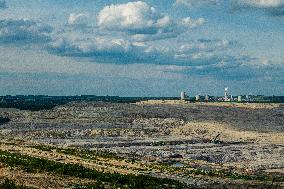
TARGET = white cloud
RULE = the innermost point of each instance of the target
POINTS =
(274, 7)
(202, 52)
(251, 3)
(154, 37)
(107, 48)
(178, 28)
(136, 20)
(163, 22)
(23, 30)
(194, 3)
(91, 47)
(133, 16)
(78, 19)
(263, 3)
(139, 25)
(205, 45)
(192, 23)
(119, 49)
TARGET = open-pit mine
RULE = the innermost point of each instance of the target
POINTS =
(127, 145)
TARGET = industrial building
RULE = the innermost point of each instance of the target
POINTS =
(197, 98)
(183, 95)
(226, 96)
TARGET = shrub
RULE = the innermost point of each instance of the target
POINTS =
(8, 184)
(33, 164)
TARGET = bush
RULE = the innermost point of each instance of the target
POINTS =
(7, 184)
(4, 120)
(33, 164)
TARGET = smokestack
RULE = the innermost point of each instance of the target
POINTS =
(226, 99)
(182, 95)
(197, 98)
(239, 98)
(206, 98)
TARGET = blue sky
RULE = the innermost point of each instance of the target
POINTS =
(141, 48)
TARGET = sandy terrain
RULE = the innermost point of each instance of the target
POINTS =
(243, 138)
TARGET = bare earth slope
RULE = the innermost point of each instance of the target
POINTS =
(200, 144)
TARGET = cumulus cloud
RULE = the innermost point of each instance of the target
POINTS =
(143, 22)
(23, 30)
(101, 48)
(263, 3)
(192, 23)
(194, 3)
(178, 28)
(235, 68)
(124, 50)
(129, 33)
(111, 50)
(123, 34)
(207, 45)
(154, 37)
(78, 19)
(275, 7)
(91, 46)
(136, 17)
(202, 50)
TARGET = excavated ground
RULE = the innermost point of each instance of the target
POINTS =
(244, 138)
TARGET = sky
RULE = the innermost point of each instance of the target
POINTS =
(141, 48)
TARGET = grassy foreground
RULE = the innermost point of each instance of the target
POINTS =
(113, 180)
(7, 184)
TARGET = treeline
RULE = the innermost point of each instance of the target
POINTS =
(33, 103)
(41, 102)
(116, 180)
(83, 153)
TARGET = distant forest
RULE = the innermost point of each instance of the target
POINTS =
(42, 102)
(36, 103)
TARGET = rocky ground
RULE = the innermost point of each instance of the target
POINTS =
(202, 144)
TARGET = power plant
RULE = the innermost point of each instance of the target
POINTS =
(239, 98)
(226, 98)
(183, 95)
(206, 98)
(197, 98)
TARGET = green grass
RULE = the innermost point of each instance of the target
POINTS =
(237, 176)
(83, 153)
(221, 173)
(8, 184)
(33, 164)
(87, 154)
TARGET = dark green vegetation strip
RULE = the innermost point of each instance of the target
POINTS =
(33, 164)
(4, 120)
(237, 176)
(83, 153)
(88, 154)
(36, 103)
(225, 173)
(8, 184)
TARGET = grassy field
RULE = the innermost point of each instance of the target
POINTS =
(116, 180)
